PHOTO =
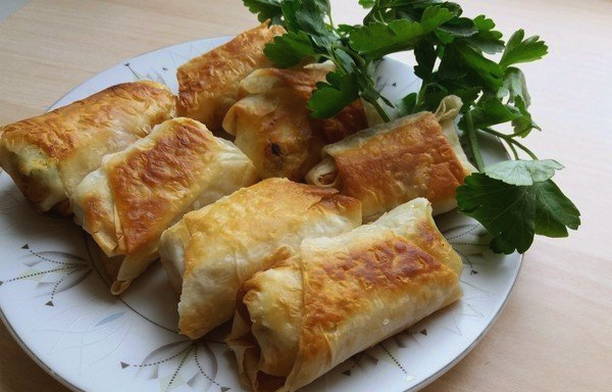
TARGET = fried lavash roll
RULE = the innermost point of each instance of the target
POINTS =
(212, 251)
(137, 193)
(47, 156)
(414, 156)
(338, 296)
(208, 84)
(273, 126)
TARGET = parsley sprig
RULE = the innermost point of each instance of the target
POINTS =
(455, 54)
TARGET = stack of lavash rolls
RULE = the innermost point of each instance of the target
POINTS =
(305, 232)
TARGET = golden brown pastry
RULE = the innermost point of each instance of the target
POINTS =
(273, 126)
(208, 84)
(138, 193)
(338, 296)
(48, 156)
(212, 251)
(414, 156)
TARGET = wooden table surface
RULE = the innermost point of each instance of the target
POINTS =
(556, 331)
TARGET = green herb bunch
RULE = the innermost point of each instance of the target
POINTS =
(514, 199)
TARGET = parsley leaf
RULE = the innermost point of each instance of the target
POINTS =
(378, 39)
(489, 72)
(331, 96)
(367, 3)
(514, 214)
(407, 105)
(306, 15)
(308, 34)
(521, 172)
(487, 39)
(514, 85)
(460, 27)
(344, 30)
(523, 51)
(265, 9)
(523, 124)
(425, 54)
(491, 111)
(554, 211)
(506, 211)
(435, 16)
(289, 49)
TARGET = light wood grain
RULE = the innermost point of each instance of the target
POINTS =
(556, 332)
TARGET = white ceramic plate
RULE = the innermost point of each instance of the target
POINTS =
(57, 304)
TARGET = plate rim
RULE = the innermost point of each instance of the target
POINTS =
(49, 370)
(475, 342)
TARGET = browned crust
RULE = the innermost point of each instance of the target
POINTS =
(95, 216)
(35, 191)
(295, 197)
(338, 202)
(292, 198)
(62, 131)
(391, 265)
(274, 213)
(301, 81)
(349, 120)
(383, 265)
(335, 290)
(277, 131)
(213, 78)
(64, 136)
(146, 181)
(413, 161)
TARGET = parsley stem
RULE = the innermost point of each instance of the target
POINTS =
(379, 109)
(522, 147)
(473, 140)
(356, 57)
(505, 138)
(513, 149)
(511, 141)
(420, 96)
